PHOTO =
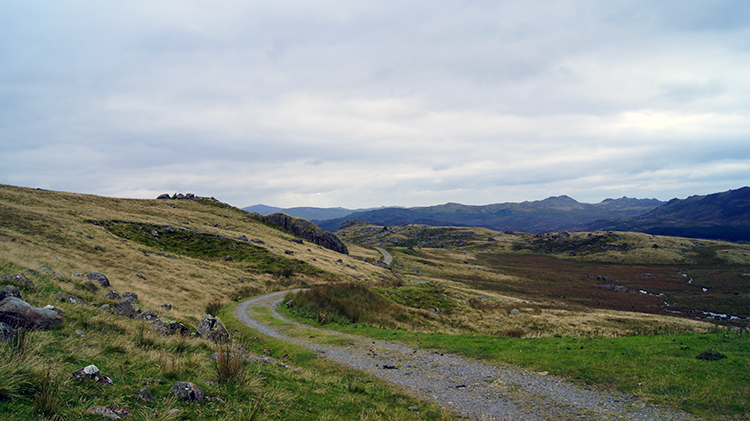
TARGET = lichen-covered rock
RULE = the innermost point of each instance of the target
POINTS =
(307, 230)
(212, 328)
(188, 391)
(91, 372)
(112, 295)
(69, 298)
(100, 278)
(18, 313)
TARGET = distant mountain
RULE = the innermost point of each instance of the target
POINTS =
(548, 215)
(719, 216)
(309, 213)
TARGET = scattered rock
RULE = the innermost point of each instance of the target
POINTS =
(188, 391)
(414, 408)
(144, 394)
(227, 258)
(296, 240)
(105, 308)
(515, 311)
(289, 252)
(129, 309)
(167, 307)
(243, 238)
(69, 298)
(616, 288)
(212, 328)
(130, 297)
(110, 411)
(257, 241)
(98, 277)
(91, 372)
(139, 276)
(173, 411)
(18, 313)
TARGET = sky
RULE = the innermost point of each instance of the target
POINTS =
(376, 103)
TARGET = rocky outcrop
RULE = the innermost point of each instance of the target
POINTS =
(19, 279)
(18, 313)
(307, 230)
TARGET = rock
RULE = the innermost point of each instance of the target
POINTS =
(139, 276)
(212, 328)
(166, 307)
(307, 230)
(110, 411)
(98, 277)
(105, 308)
(227, 258)
(19, 280)
(130, 297)
(156, 322)
(173, 411)
(188, 391)
(515, 311)
(18, 313)
(10, 291)
(242, 238)
(163, 196)
(7, 333)
(128, 309)
(46, 270)
(616, 288)
(289, 252)
(91, 372)
(69, 298)
(178, 327)
(414, 408)
(112, 295)
(144, 394)
(257, 241)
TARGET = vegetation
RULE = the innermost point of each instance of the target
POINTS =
(532, 300)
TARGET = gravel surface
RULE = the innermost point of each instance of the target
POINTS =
(471, 388)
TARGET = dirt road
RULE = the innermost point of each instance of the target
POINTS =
(474, 389)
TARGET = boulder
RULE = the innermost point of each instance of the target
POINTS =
(156, 322)
(307, 230)
(18, 313)
(110, 411)
(188, 391)
(91, 372)
(130, 297)
(128, 309)
(212, 328)
(98, 277)
(9, 291)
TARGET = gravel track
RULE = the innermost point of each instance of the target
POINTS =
(472, 388)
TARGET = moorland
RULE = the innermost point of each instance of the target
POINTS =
(642, 306)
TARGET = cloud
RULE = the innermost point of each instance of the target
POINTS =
(362, 104)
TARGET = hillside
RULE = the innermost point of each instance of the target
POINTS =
(172, 264)
(722, 216)
(548, 215)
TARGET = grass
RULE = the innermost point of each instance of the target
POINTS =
(663, 369)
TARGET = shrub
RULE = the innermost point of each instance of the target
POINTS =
(344, 304)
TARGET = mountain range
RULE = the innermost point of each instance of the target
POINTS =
(724, 216)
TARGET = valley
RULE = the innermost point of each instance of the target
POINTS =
(644, 305)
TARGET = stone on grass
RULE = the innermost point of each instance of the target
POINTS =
(112, 295)
(19, 279)
(91, 372)
(212, 328)
(98, 277)
(188, 391)
(144, 394)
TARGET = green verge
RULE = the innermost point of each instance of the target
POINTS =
(659, 368)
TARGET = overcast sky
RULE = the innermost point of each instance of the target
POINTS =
(370, 103)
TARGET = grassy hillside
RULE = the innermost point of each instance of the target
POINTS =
(466, 290)
(169, 252)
